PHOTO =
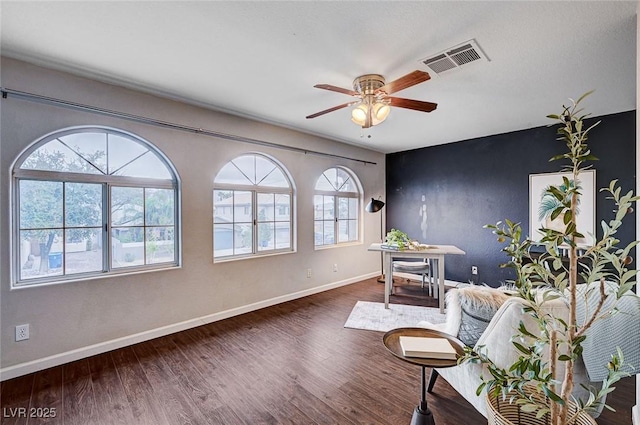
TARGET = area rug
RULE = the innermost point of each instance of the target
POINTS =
(373, 316)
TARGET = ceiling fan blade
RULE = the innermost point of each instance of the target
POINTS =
(416, 105)
(335, 108)
(336, 89)
(411, 79)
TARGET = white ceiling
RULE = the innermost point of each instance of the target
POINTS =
(262, 59)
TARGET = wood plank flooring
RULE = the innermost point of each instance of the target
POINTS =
(293, 363)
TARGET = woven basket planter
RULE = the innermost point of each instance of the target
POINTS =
(501, 412)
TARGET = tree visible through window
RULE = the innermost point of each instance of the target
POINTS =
(336, 207)
(252, 204)
(90, 201)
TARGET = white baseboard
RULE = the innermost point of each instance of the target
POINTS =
(102, 347)
(636, 414)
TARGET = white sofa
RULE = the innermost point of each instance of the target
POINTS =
(466, 378)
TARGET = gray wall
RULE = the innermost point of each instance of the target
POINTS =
(77, 315)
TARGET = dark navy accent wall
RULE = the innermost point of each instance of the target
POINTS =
(464, 185)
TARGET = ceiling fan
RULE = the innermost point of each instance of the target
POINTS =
(374, 102)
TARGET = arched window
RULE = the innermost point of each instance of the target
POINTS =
(336, 207)
(93, 201)
(252, 208)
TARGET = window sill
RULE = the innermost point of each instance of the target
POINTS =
(251, 256)
(338, 245)
(110, 275)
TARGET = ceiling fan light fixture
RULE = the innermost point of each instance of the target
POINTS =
(370, 112)
(381, 111)
(359, 114)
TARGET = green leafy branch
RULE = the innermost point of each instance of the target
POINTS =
(549, 341)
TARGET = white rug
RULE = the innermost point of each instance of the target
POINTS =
(373, 316)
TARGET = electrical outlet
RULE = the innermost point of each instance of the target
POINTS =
(22, 332)
(474, 269)
(335, 267)
(308, 273)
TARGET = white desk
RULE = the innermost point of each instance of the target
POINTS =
(436, 253)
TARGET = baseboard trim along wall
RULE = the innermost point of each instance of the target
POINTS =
(102, 347)
(636, 415)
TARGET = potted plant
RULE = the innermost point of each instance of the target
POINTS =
(536, 383)
(400, 241)
(397, 239)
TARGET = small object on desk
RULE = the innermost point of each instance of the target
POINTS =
(417, 246)
(425, 246)
(425, 347)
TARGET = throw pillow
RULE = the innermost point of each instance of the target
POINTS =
(475, 305)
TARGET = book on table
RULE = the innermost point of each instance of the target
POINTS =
(390, 247)
(425, 347)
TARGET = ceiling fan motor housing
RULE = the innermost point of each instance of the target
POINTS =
(368, 84)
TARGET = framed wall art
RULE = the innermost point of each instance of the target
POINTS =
(541, 205)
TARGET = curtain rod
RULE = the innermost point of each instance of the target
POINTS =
(151, 121)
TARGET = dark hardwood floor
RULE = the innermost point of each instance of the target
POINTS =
(293, 363)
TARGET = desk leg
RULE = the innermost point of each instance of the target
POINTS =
(436, 277)
(422, 415)
(388, 281)
(441, 283)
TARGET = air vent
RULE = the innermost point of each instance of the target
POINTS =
(455, 57)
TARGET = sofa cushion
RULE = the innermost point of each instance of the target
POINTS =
(476, 305)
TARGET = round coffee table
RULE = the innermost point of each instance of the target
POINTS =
(421, 415)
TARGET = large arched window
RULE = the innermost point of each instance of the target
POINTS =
(336, 207)
(93, 201)
(252, 208)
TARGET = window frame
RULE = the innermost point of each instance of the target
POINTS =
(107, 182)
(336, 194)
(255, 191)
